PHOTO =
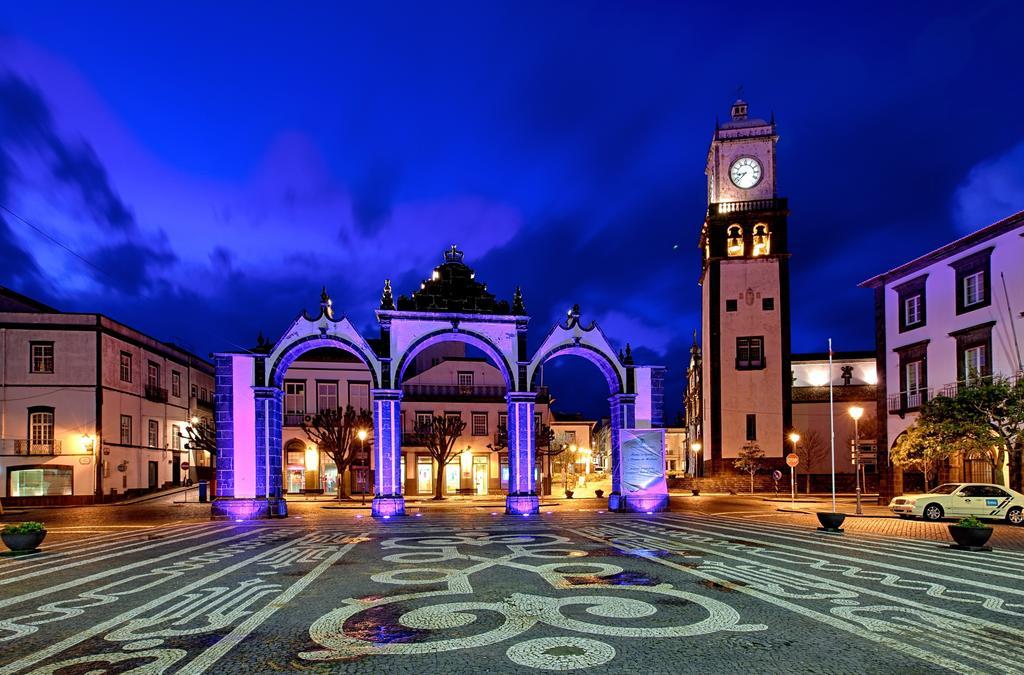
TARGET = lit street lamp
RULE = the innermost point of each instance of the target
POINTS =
(696, 448)
(794, 438)
(856, 412)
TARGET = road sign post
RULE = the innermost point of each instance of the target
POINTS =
(792, 459)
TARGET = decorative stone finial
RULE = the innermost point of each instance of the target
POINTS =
(387, 301)
(628, 360)
(260, 340)
(517, 302)
(326, 306)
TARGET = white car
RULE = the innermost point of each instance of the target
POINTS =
(959, 500)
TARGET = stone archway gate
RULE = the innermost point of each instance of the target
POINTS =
(449, 306)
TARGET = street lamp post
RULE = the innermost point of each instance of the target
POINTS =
(696, 448)
(794, 438)
(856, 412)
(361, 435)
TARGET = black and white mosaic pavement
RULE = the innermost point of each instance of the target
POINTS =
(451, 593)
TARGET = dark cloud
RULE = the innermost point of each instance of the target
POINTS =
(26, 123)
(128, 267)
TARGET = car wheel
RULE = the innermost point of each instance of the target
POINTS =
(1015, 516)
(933, 512)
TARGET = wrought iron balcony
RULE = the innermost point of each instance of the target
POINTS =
(21, 446)
(157, 394)
(294, 419)
(907, 401)
(723, 208)
(454, 392)
(206, 404)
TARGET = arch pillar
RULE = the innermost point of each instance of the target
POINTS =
(269, 419)
(522, 496)
(623, 416)
(387, 445)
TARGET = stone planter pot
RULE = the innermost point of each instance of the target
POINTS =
(568, 494)
(599, 493)
(970, 538)
(20, 543)
(695, 492)
(830, 522)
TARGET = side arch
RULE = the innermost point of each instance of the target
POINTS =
(599, 358)
(295, 349)
(469, 337)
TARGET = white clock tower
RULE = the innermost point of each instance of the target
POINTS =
(745, 296)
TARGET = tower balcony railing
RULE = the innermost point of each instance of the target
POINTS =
(293, 419)
(723, 208)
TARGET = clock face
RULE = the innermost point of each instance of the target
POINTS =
(745, 172)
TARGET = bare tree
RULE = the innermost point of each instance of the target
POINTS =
(335, 431)
(813, 452)
(438, 436)
(750, 460)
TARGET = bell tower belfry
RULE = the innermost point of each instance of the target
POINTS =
(745, 295)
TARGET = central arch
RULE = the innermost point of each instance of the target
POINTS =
(469, 337)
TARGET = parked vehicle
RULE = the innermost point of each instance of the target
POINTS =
(985, 501)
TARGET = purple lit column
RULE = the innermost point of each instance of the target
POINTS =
(623, 416)
(268, 449)
(387, 453)
(522, 482)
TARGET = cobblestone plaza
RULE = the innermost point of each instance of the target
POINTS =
(473, 590)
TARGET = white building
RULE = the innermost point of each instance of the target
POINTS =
(91, 409)
(942, 319)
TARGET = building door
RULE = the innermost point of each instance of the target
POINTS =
(176, 470)
(480, 475)
(154, 474)
(424, 475)
(453, 477)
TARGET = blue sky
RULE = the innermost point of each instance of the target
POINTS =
(217, 165)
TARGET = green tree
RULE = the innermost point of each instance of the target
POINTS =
(335, 432)
(922, 447)
(984, 418)
(750, 460)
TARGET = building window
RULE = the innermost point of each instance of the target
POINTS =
(731, 305)
(423, 420)
(204, 395)
(153, 375)
(40, 429)
(750, 353)
(176, 437)
(153, 434)
(768, 304)
(973, 281)
(974, 353)
(359, 395)
(570, 437)
(762, 240)
(479, 424)
(751, 427)
(41, 481)
(175, 384)
(326, 396)
(734, 246)
(126, 367)
(126, 429)
(194, 391)
(974, 289)
(913, 377)
(41, 360)
(465, 379)
(295, 398)
(503, 421)
(911, 303)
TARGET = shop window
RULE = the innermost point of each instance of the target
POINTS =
(41, 481)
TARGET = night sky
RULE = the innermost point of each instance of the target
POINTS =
(212, 166)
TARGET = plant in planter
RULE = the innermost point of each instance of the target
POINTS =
(970, 534)
(599, 493)
(23, 537)
(568, 494)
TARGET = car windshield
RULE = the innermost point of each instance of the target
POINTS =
(947, 489)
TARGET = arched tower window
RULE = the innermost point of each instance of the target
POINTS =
(735, 243)
(762, 240)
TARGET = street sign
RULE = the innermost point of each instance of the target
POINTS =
(184, 466)
(776, 475)
(792, 459)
